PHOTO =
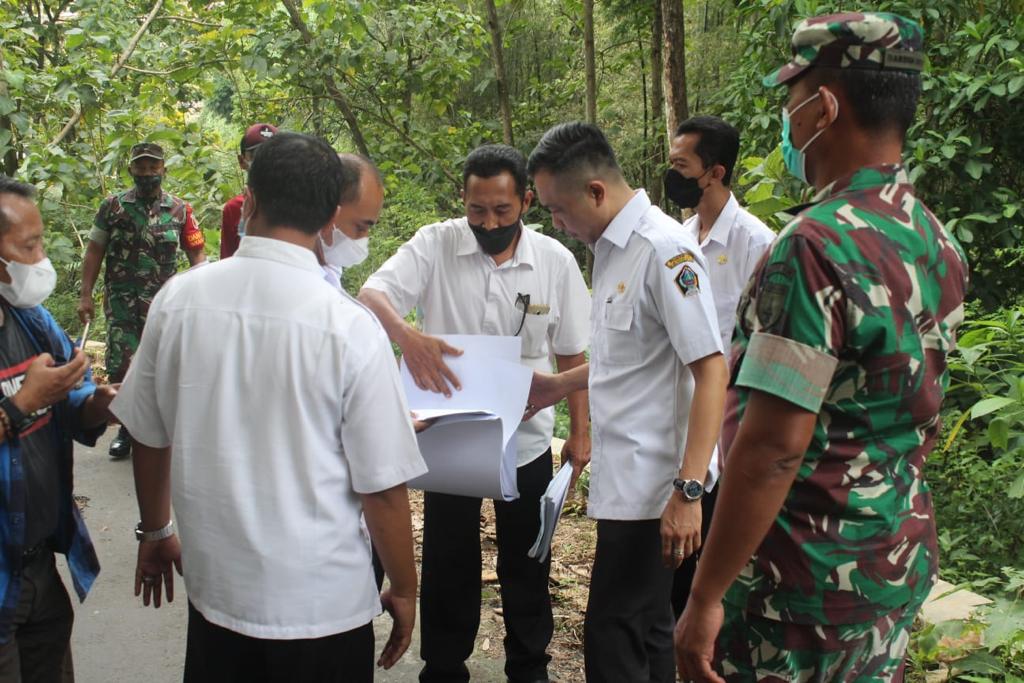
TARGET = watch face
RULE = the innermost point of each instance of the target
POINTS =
(693, 489)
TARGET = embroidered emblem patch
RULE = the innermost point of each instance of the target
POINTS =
(771, 296)
(621, 288)
(723, 259)
(685, 257)
(688, 281)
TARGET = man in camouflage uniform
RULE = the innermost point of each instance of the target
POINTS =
(823, 548)
(139, 231)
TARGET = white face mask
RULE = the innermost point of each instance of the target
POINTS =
(31, 283)
(343, 251)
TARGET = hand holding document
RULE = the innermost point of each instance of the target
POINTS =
(470, 448)
(551, 504)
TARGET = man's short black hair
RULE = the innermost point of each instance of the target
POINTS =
(9, 185)
(353, 166)
(488, 161)
(717, 142)
(297, 181)
(882, 101)
(572, 147)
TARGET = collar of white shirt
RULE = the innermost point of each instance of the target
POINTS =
(523, 256)
(271, 249)
(723, 224)
(627, 219)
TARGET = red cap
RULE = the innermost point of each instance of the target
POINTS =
(256, 135)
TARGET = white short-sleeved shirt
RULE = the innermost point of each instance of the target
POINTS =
(653, 315)
(281, 402)
(732, 249)
(459, 290)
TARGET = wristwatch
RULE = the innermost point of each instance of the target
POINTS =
(19, 420)
(157, 535)
(691, 489)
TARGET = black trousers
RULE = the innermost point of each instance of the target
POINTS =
(218, 655)
(450, 587)
(683, 579)
(39, 649)
(627, 634)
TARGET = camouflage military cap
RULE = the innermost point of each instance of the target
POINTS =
(147, 149)
(853, 40)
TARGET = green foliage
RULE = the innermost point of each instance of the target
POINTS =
(977, 477)
(988, 648)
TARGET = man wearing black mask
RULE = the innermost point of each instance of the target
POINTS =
(139, 232)
(703, 154)
(488, 274)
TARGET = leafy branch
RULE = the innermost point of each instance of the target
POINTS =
(118, 65)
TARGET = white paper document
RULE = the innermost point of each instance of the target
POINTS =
(470, 449)
(551, 504)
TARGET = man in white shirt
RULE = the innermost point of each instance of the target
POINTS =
(703, 155)
(486, 273)
(273, 435)
(657, 383)
(347, 243)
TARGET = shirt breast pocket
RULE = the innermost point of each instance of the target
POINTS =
(534, 334)
(164, 238)
(621, 342)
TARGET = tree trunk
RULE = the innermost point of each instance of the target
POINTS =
(675, 63)
(10, 160)
(588, 54)
(499, 71)
(657, 149)
(645, 164)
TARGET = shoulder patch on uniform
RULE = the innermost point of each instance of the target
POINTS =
(688, 281)
(684, 257)
(772, 295)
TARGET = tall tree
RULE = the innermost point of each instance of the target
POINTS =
(656, 153)
(674, 32)
(497, 56)
(588, 55)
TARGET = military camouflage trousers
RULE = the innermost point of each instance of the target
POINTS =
(125, 320)
(753, 648)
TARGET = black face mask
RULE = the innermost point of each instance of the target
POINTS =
(684, 192)
(148, 184)
(497, 240)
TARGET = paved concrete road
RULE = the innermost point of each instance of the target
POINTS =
(116, 639)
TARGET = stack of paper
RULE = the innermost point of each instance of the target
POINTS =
(470, 449)
(551, 504)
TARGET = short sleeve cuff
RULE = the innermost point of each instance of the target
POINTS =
(788, 369)
(145, 432)
(389, 477)
(99, 236)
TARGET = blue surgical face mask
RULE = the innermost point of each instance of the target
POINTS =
(795, 158)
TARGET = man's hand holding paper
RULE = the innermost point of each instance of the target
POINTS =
(424, 356)
(471, 447)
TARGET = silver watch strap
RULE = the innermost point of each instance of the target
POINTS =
(157, 534)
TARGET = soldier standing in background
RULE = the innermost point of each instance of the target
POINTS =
(139, 231)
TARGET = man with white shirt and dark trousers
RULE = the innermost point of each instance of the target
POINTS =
(702, 157)
(657, 384)
(272, 436)
(486, 273)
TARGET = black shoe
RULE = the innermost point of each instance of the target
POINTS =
(121, 446)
